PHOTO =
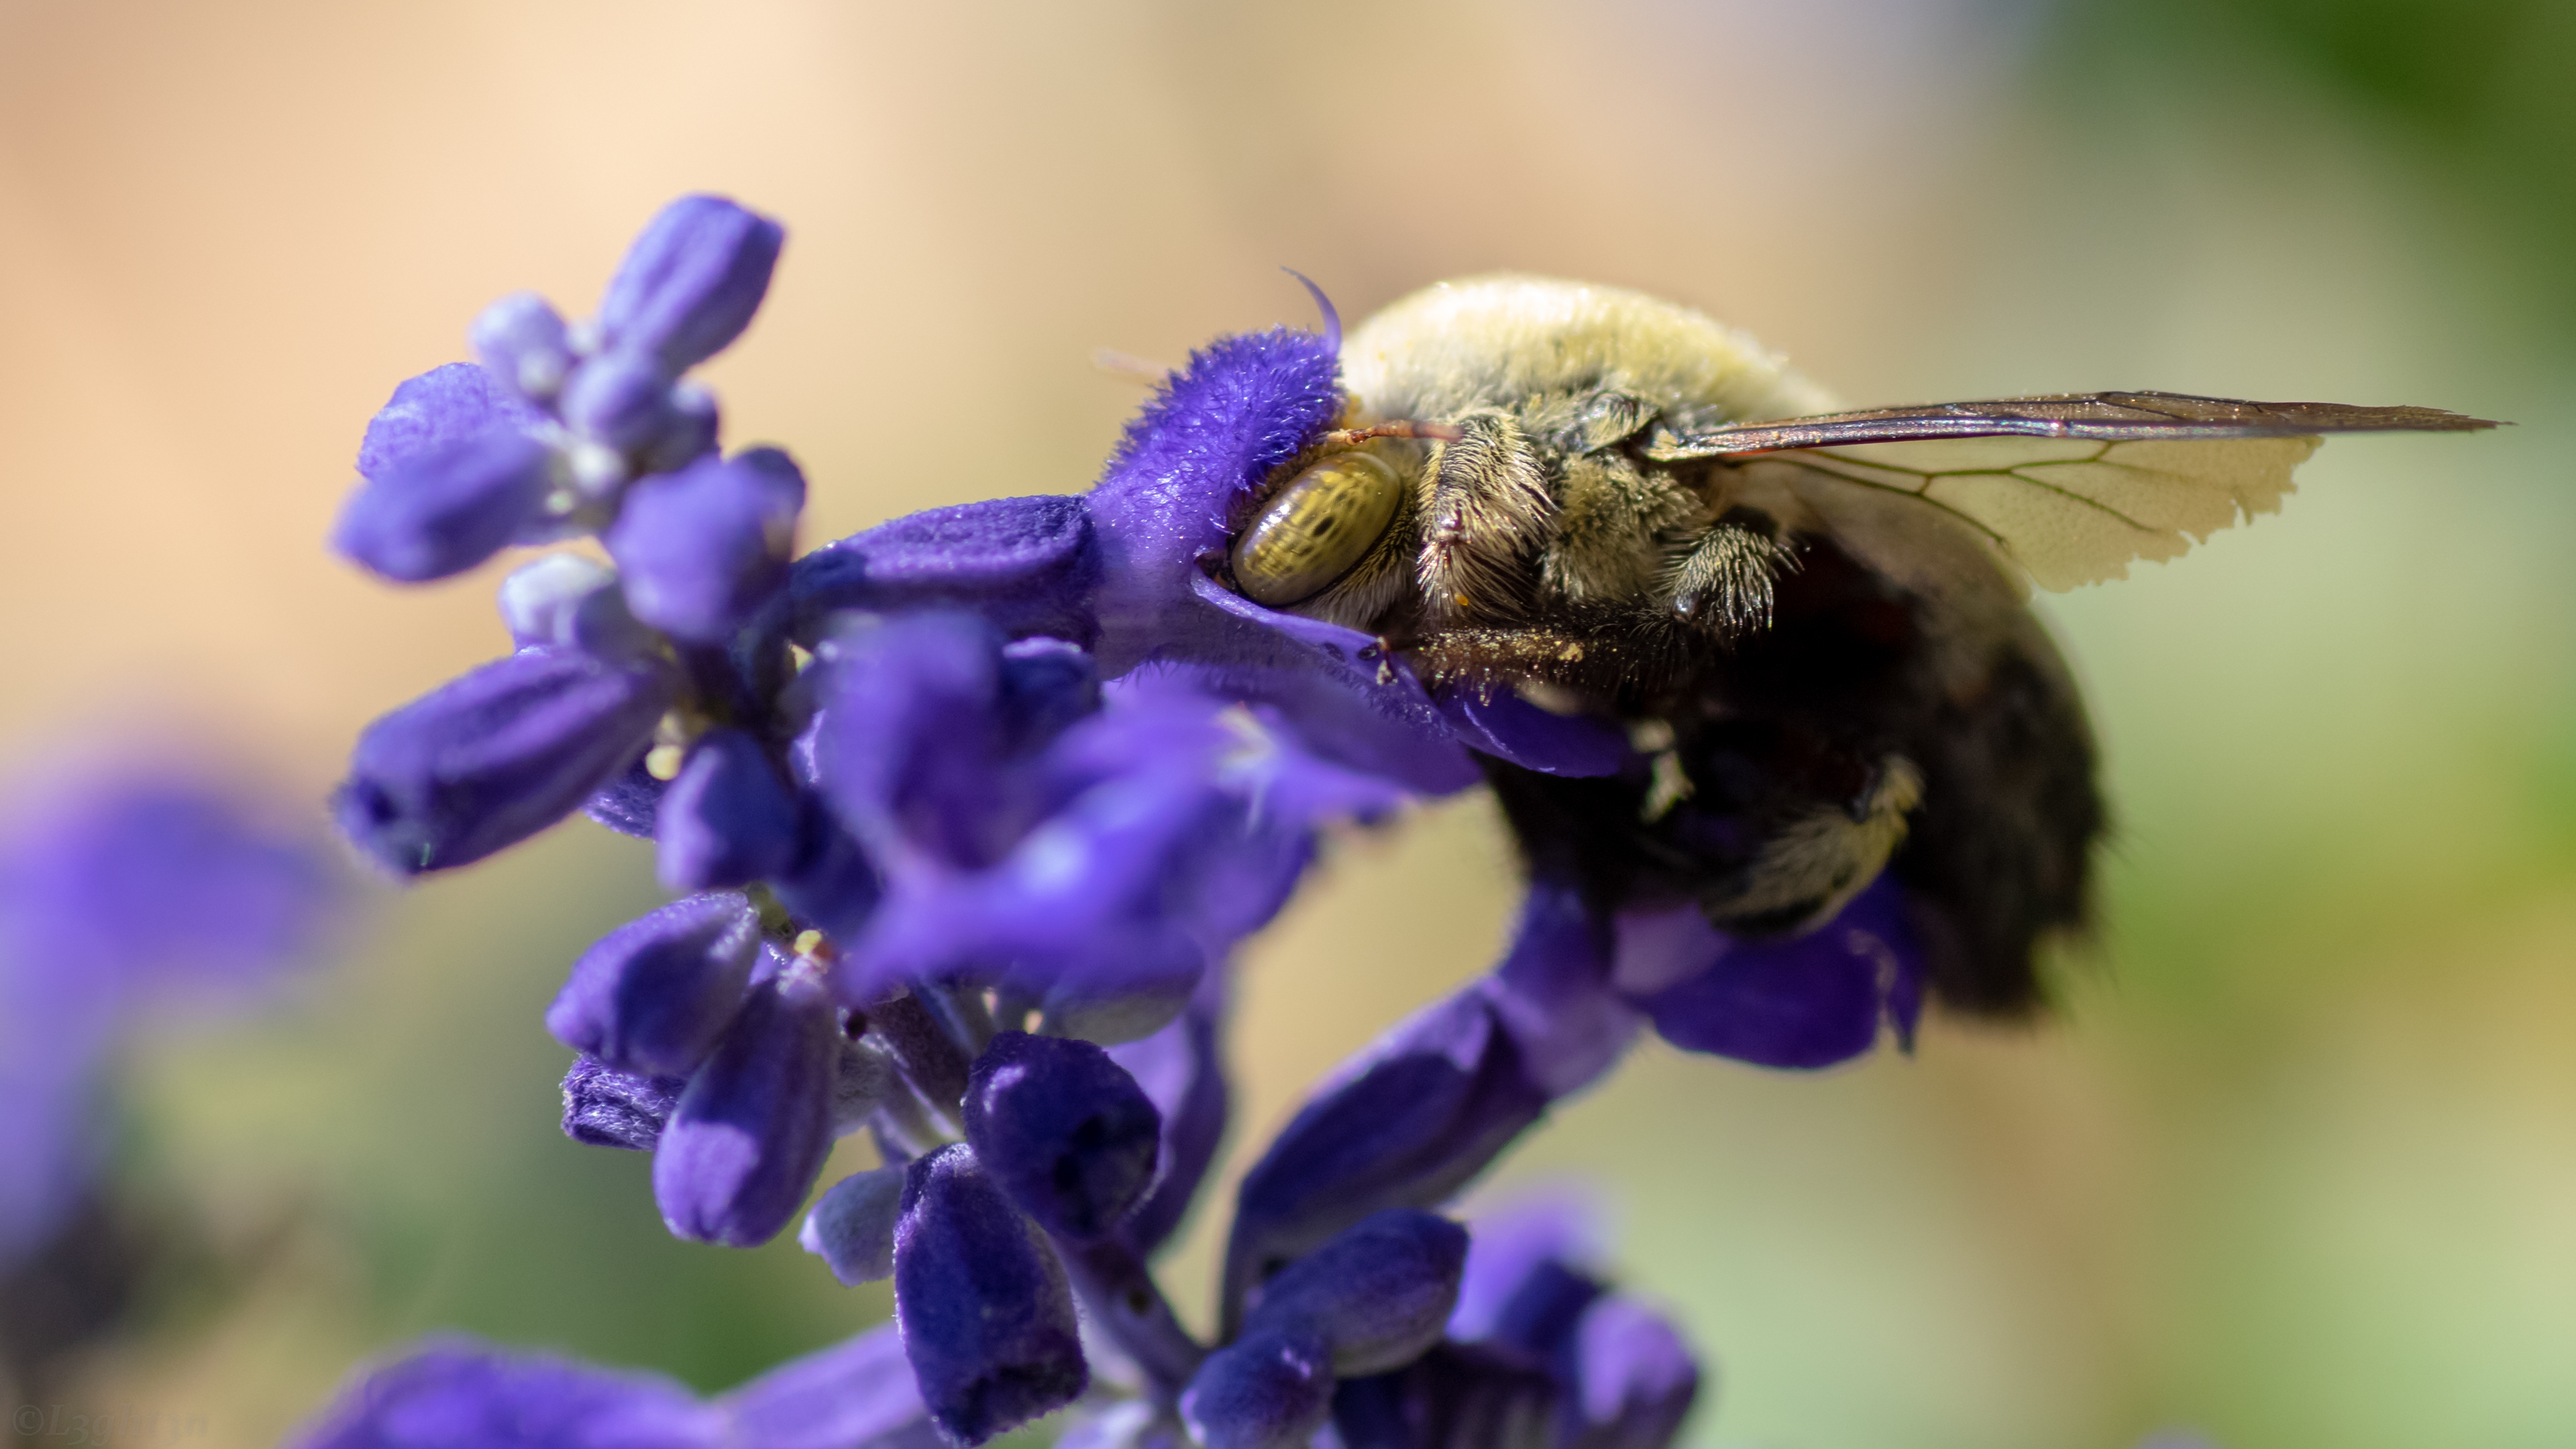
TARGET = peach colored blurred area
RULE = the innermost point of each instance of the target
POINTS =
(2297, 1167)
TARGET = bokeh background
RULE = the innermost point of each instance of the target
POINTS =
(2296, 1167)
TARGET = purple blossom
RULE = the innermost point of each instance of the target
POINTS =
(458, 1393)
(121, 883)
(653, 996)
(1065, 1131)
(1805, 1002)
(750, 1133)
(987, 1316)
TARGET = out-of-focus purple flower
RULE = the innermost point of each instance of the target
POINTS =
(1508, 727)
(605, 1107)
(443, 511)
(1182, 1072)
(442, 407)
(569, 600)
(1405, 1124)
(727, 820)
(1633, 1377)
(987, 1315)
(751, 1132)
(119, 882)
(654, 995)
(523, 343)
(458, 1393)
(1805, 1002)
(1065, 1131)
(691, 282)
(488, 760)
(1457, 1396)
(701, 550)
(1264, 1391)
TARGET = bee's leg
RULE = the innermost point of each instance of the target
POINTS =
(1604, 548)
(1726, 581)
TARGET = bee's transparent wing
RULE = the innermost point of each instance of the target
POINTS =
(2069, 488)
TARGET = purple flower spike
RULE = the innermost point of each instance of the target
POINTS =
(1028, 565)
(1806, 1002)
(691, 281)
(522, 342)
(1065, 1131)
(857, 1394)
(1404, 1125)
(751, 1132)
(443, 511)
(702, 549)
(1266, 1391)
(490, 759)
(1634, 1379)
(438, 409)
(460, 1394)
(728, 819)
(1183, 1074)
(852, 1227)
(654, 995)
(987, 1315)
(1379, 1294)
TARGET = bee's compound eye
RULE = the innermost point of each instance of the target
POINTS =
(1316, 529)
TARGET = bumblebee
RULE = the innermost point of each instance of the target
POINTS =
(1812, 625)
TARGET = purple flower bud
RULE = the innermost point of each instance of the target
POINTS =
(1805, 1002)
(566, 599)
(691, 281)
(987, 1315)
(523, 343)
(619, 398)
(653, 995)
(460, 1394)
(1266, 1391)
(1634, 1379)
(1407, 1123)
(441, 407)
(852, 1225)
(727, 820)
(488, 760)
(604, 1107)
(1065, 1131)
(1378, 1294)
(857, 1394)
(700, 550)
(1510, 1248)
(1182, 1072)
(1028, 565)
(751, 1132)
(446, 509)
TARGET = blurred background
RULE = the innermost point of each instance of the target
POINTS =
(2296, 1166)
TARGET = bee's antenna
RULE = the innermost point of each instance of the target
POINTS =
(1323, 304)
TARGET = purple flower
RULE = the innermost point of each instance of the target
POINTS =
(727, 820)
(987, 1316)
(691, 282)
(453, 471)
(122, 882)
(457, 1393)
(605, 1107)
(1804, 1002)
(488, 760)
(1065, 1131)
(1263, 1391)
(1182, 1071)
(750, 1133)
(702, 549)
(653, 996)
(1028, 566)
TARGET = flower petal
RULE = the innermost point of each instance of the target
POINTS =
(691, 282)
(1065, 1131)
(988, 1318)
(654, 996)
(751, 1132)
